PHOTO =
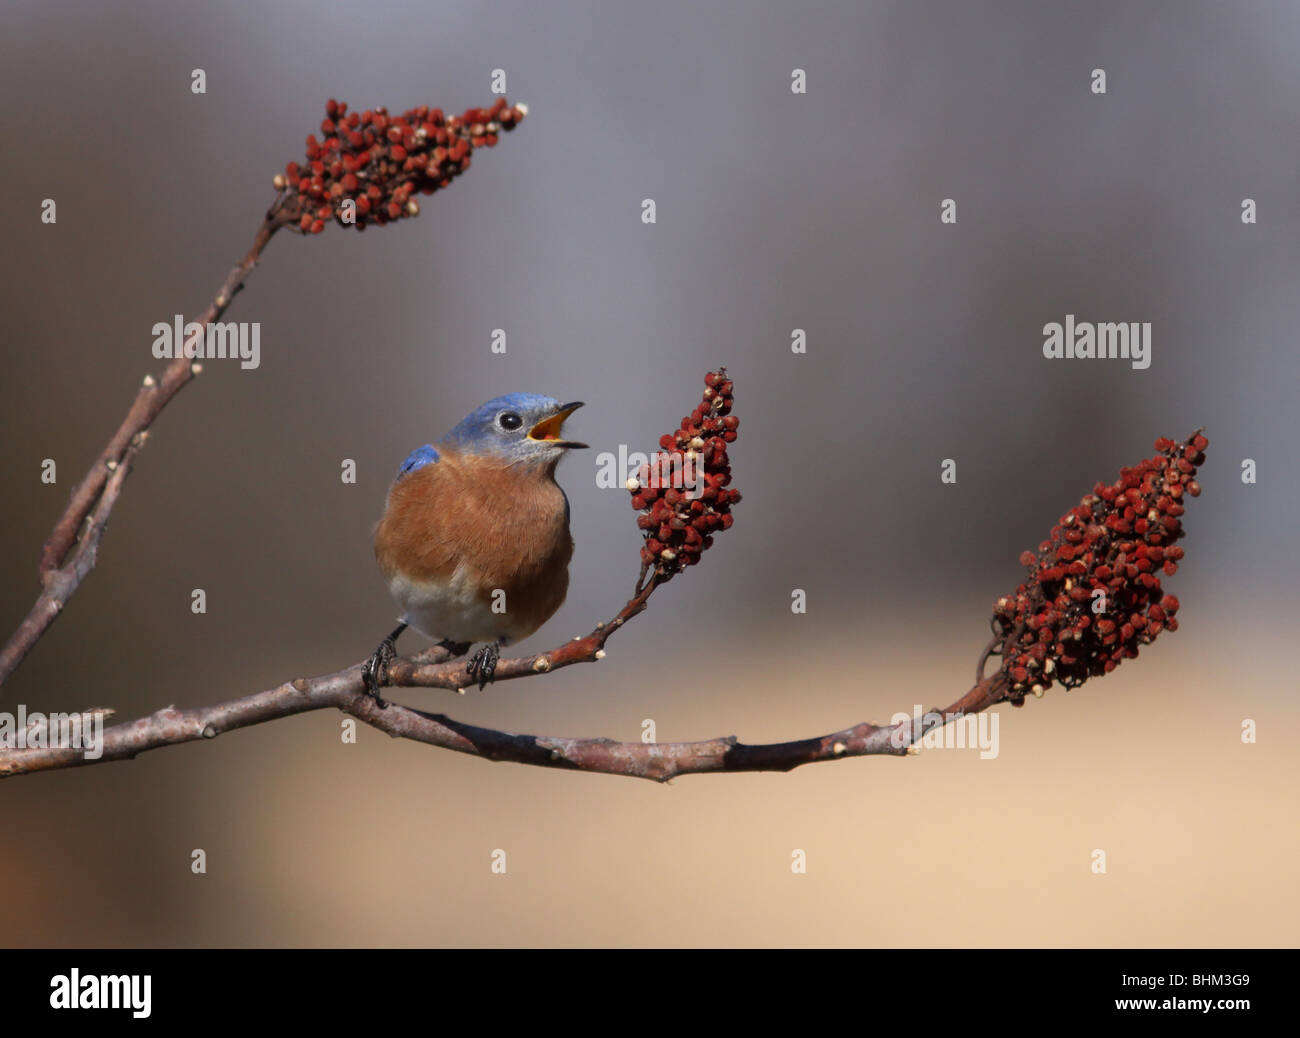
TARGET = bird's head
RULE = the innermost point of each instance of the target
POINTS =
(518, 427)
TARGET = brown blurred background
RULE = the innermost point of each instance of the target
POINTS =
(775, 211)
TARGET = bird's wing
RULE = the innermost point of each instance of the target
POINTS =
(417, 459)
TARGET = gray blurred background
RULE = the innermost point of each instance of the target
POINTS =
(775, 211)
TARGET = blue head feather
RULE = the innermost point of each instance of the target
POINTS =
(503, 425)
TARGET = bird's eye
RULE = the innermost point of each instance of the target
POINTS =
(509, 420)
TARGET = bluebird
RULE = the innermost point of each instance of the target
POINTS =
(474, 539)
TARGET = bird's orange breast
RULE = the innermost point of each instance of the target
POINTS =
(492, 525)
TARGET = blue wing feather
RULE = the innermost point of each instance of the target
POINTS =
(417, 459)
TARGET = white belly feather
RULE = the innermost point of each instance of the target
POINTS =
(451, 610)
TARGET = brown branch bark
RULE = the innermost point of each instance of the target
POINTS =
(69, 553)
(344, 690)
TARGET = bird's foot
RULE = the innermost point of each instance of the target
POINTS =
(375, 671)
(482, 666)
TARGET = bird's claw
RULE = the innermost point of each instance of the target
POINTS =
(375, 671)
(482, 666)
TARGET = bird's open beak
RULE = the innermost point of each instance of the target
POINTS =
(548, 429)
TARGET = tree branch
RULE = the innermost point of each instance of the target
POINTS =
(344, 690)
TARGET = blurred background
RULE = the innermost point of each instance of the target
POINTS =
(775, 211)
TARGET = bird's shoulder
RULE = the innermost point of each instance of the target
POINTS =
(418, 459)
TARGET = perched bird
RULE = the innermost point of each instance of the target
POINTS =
(474, 539)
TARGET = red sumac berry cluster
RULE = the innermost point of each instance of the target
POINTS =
(1093, 593)
(379, 161)
(681, 515)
